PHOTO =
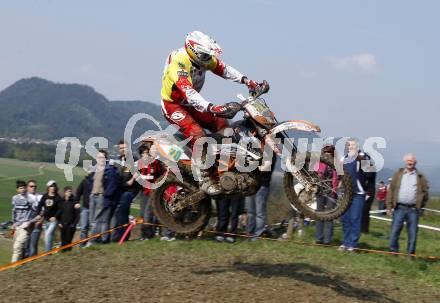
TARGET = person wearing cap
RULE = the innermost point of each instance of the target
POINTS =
(48, 208)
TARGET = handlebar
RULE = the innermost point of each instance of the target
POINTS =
(235, 107)
(262, 88)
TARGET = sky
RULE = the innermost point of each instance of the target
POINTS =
(356, 68)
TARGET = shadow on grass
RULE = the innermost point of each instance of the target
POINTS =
(365, 245)
(302, 272)
(379, 235)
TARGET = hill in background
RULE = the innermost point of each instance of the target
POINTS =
(41, 109)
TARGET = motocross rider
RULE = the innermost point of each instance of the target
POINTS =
(182, 104)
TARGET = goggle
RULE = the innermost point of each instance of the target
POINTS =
(204, 57)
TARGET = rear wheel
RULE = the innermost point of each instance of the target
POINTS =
(338, 199)
(188, 221)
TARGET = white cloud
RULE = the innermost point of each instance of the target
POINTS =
(364, 62)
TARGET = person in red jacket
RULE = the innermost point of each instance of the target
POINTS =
(150, 173)
(381, 197)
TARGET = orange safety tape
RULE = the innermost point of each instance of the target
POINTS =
(374, 251)
(58, 249)
(140, 221)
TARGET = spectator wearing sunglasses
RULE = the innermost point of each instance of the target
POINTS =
(34, 238)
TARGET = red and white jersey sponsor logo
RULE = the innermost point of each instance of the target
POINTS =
(177, 116)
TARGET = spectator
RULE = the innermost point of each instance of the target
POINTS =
(21, 218)
(168, 234)
(84, 192)
(407, 195)
(227, 210)
(34, 237)
(48, 208)
(104, 186)
(150, 173)
(256, 205)
(370, 191)
(352, 218)
(324, 229)
(381, 197)
(157, 171)
(68, 216)
(130, 189)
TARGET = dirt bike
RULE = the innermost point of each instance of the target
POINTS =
(185, 209)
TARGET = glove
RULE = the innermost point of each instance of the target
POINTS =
(217, 109)
(251, 84)
(256, 89)
(227, 111)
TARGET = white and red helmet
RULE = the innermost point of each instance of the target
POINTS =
(201, 47)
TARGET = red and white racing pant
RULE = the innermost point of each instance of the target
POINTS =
(190, 121)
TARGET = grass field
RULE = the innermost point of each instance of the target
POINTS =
(206, 271)
(11, 170)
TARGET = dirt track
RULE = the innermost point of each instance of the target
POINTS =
(168, 274)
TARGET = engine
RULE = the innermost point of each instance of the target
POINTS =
(239, 182)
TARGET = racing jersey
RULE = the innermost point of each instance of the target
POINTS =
(182, 79)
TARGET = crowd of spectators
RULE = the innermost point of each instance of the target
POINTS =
(403, 198)
(104, 197)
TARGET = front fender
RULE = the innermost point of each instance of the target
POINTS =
(298, 125)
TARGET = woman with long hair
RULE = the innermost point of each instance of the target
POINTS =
(48, 208)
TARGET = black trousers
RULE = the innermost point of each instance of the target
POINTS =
(365, 226)
(228, 209)
(67, 233)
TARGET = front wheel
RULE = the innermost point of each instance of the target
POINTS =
(188, 221)
(325, 200)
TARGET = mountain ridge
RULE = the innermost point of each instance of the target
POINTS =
(41, 109)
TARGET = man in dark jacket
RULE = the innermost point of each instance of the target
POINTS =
(104, 186)
(407, 195)
(256, 206)
(83, 192)
(370, 191)
(352, 218)
(67, 217)
(129, 188)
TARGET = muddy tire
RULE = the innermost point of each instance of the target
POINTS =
(343, 201)
(198, 215)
